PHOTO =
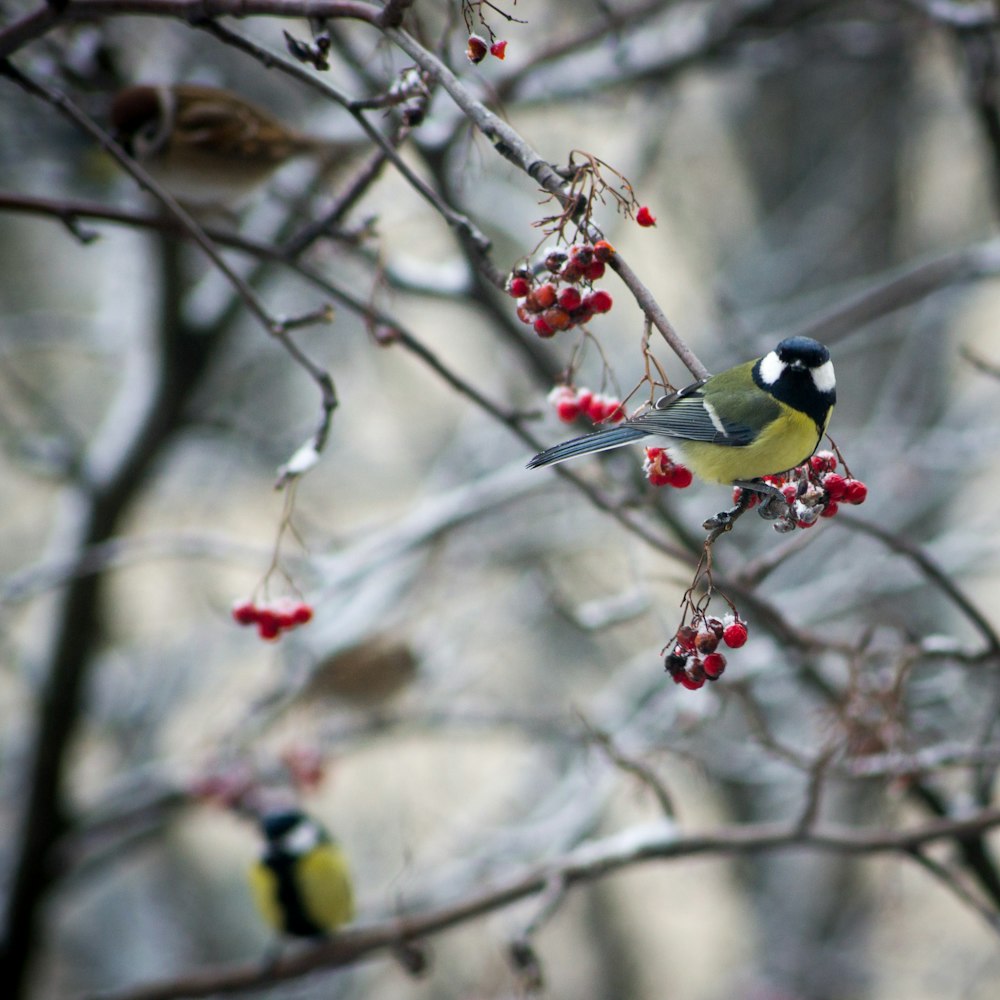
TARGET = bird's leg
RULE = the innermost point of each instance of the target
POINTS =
(725, 519)
(773, 504)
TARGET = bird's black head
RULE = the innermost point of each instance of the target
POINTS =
(799, 373)
(276, 824)
(802, 352)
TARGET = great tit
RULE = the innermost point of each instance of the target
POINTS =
(301, 882)
(757, 419)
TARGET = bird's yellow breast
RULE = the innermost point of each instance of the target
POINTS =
(786, 442)
(321, 883)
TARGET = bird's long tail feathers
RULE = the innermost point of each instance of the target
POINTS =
(612, 437)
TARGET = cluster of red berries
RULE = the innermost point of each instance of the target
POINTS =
(571, 403)
(273, 619)
(811, 491)
(477, 47)
(661, 470)
(558, 304)
(694, 658)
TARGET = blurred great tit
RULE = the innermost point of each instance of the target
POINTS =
(758, 419)
(301, 882)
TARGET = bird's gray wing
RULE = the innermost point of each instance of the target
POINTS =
(688, 416)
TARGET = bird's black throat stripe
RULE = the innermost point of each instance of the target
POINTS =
(795, 387)
(296, 920)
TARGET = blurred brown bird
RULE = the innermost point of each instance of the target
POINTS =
(209, 147)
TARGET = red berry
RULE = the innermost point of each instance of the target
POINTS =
(713, 665)
(567, 410)
(682, 477)
(790, 492)
(518, 286)
(834, 485)
(598, 302)
(543, 297)
(570, 298)
(554, 260)
(284, 614)
(830, 509)
(706, 642)
(557, 318)
(603, 251)
(597, 409)
(542, 328)
(302, 613)
(245, 612)
(617, 414)
(735, 635)
(572, 272)
(582, 315)
(690, 682)
(581, 254)
(268, 626)
(476, 49)
(664, 478)
(686, 637)
(523, 315)
(652, 454)
(498, 49)
(823, 461)
(715, 625)
(806, 524)
(645, 217)
(594, 270)
(855, 491)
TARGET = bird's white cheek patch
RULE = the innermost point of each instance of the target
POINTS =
(302, 839)
(771, 367)
(823, 377)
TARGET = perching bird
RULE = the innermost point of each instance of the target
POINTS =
(207, 146)
(301, 883)
(757, 419)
